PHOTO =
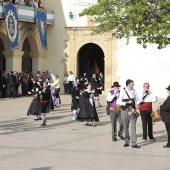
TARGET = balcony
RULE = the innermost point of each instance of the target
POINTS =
(26, 13)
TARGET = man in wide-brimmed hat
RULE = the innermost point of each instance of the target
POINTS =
(165, 112)
(115, 111)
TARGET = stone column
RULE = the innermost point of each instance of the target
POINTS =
(72, 57)
(38, 61)
(13, 60)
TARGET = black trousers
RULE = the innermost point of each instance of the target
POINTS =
(66, 88)
(167, 125)
(4, 92)
(146, 123)
(70, 86)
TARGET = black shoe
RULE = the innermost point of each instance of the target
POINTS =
(126, 145)
(136, 146)
(94, 125)
(153, 139)
(121, 137)
(36, 119)
(44, 124)
(114, 139)
(166, 146)
(87, 124)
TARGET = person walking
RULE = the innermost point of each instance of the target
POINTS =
(128, 97)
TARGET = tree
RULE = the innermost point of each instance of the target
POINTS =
(147, 20)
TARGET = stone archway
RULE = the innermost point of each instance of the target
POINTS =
(31, 45)
(90, 60)
(80, 36)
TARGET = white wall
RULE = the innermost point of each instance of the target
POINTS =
(76, 6)
(144, 65)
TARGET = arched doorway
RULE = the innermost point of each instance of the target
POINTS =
(26, 58)
(2, 57)
(90, 60)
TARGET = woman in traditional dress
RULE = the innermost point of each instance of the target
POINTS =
(35, 106)
(87, 107)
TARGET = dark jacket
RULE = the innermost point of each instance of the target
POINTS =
(94, 83)
(165, 110)
(4, 80)
(12, 80)
(45, 93)
(75, 92)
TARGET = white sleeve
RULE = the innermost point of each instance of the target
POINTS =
(52, 75)
(136, 98)
(55, 83)
(110, 97)
(141, 98)
(153, 97)
(120, 98)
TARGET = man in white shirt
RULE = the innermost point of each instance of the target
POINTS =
(125, 102)
(115, 111)
(145, 107)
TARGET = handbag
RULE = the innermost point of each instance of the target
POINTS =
(131, 110)
(156, 115)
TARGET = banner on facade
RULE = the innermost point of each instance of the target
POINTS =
(11, 19)
(41, 19)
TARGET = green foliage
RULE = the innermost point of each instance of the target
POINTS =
(148, 20)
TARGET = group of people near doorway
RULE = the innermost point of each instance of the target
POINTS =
(120, 100)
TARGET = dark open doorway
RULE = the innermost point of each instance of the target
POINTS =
(2, 57)
(91, 60)
(26, 58)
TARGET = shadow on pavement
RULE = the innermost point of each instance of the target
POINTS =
(103, 123)
(42, 168)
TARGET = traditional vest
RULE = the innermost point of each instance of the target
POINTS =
(113, 102)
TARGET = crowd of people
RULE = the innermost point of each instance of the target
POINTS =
(32, 3)
(121, 103)
(46, 90)
(15, 84)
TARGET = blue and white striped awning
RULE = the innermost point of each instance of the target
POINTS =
(26, 13)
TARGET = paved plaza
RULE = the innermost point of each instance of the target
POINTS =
(65, 144)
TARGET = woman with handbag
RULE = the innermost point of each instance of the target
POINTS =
(165, 112)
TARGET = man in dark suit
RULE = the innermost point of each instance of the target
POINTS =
(12, 82)
(165, 112)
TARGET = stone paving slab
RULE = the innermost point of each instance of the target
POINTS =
(65, 144)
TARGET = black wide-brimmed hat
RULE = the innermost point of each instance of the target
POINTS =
(115, 84)
(168, 88)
